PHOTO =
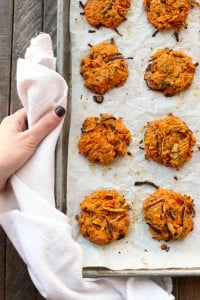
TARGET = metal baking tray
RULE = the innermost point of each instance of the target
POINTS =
(64, 68)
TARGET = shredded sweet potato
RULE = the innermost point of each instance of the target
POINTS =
(108, 13)
(169, 141)
(104, 68)
(104, 216)
(166, 14)
(104, 138)
(169, 71)
(169, 214)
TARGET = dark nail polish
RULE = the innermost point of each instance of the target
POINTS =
(60, 111)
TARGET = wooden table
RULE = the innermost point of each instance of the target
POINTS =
(19, 22)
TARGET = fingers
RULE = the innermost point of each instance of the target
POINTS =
(45, 125)
(16, 121)
(20, 116)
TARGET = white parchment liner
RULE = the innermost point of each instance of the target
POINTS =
(136, 104)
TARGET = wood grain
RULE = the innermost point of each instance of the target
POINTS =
(50, 21)
(2, 263)
(27, 22)
(30, 18)
(18, 284)
(188, 288)
(6, 14)
(39, 297)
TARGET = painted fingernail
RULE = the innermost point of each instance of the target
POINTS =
(60, 111)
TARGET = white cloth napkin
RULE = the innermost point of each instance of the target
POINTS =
(40, 233)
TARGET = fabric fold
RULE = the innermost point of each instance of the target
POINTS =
(40, 233)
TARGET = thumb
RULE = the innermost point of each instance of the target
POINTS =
(45, 125)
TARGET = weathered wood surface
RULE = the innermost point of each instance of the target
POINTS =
(19, 22)
(6, 13)
(189, 288)
(2, 263)
(17, 282)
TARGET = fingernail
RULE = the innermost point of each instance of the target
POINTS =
(60, 111)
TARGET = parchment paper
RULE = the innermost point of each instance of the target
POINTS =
(137, 105)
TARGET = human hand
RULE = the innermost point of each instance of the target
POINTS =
(17, 144)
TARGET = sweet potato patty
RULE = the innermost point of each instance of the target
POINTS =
(104, 217)
(168, 214)
(108, 13)
(169, 71)
(104, 68)
(104, 138)
(166, 14)
(169, 141)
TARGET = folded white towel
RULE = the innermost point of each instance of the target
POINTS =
(40, 233)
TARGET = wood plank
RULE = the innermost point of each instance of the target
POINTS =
(39, 297)
(189, 288)
(6, 13)
(2, 263)
(50, 21)
(28, 21)
(175, 287)
(31, 17)
(18, 284)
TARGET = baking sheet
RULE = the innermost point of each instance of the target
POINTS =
(136, 104)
